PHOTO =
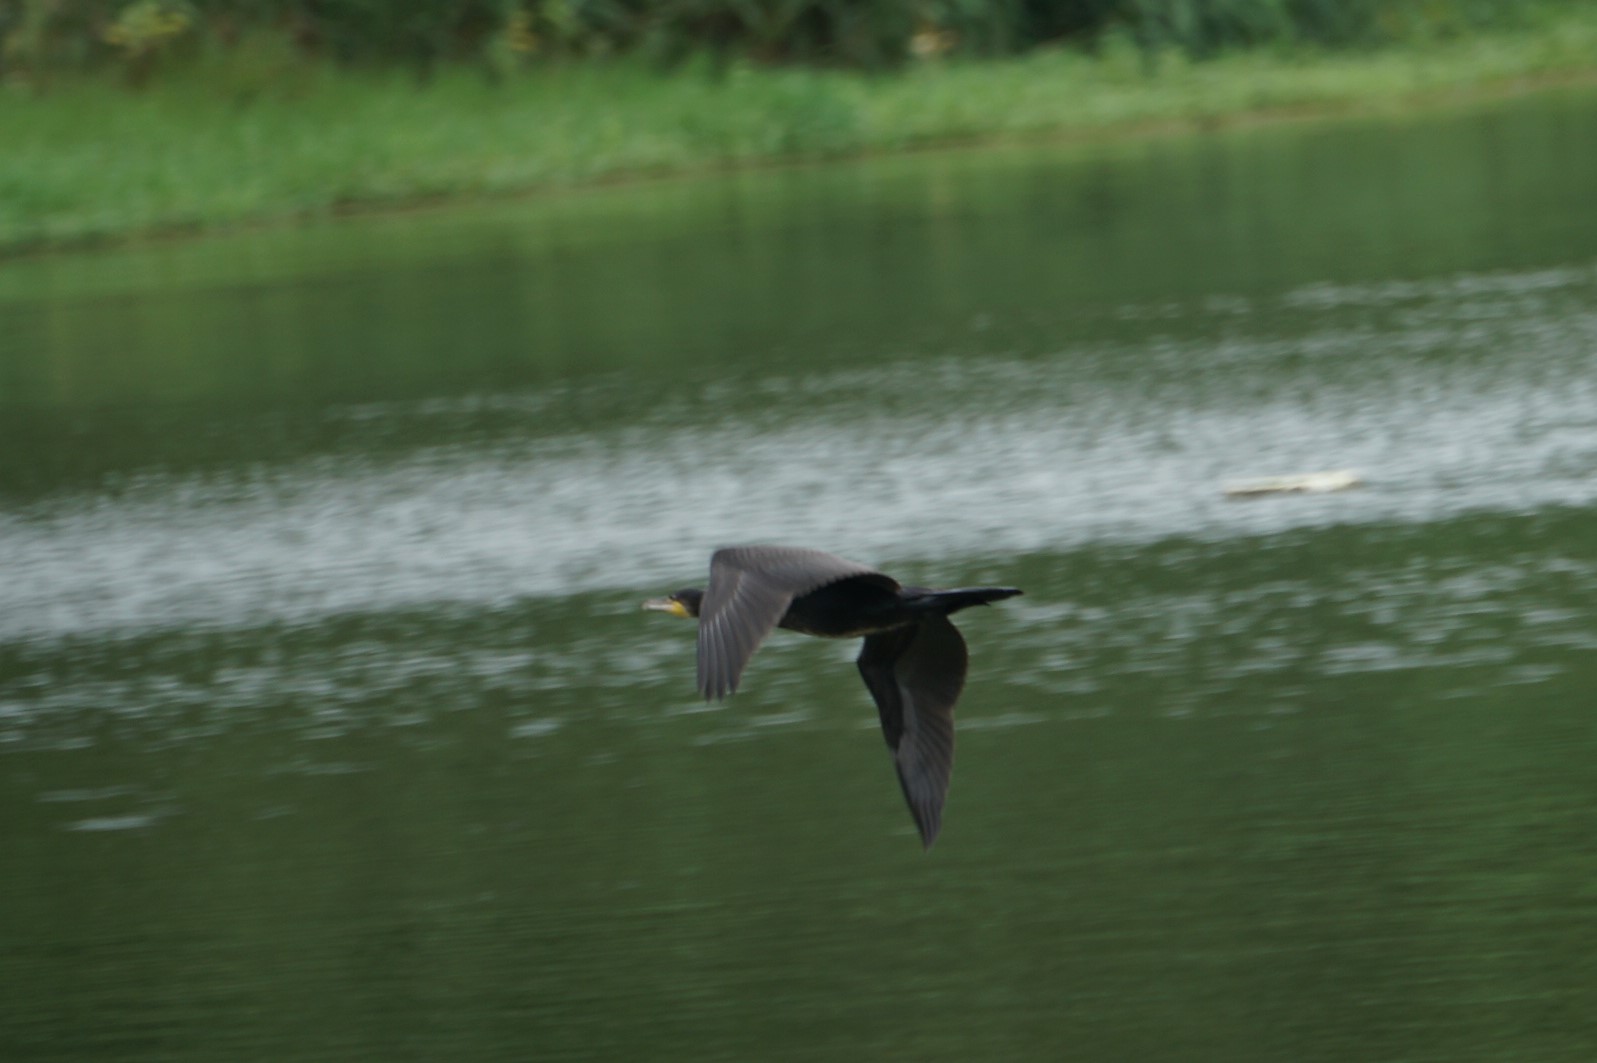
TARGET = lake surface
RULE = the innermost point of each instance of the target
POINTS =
(330, 727)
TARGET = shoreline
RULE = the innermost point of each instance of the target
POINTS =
(363, 144)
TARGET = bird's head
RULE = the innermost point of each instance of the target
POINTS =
(683, 603)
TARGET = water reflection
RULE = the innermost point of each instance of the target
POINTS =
(955, 457)
(331, 727)
(1349, 754)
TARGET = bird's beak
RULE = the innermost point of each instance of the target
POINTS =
(667, 605)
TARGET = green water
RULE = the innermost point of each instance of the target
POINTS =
(330, 727)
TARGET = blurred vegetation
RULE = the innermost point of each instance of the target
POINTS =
(42, 37)
(122, 117)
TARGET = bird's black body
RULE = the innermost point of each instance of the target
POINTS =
(913, 659)
(859, 607)
(849, 608)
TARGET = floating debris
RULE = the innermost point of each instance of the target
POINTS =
(1312, 482)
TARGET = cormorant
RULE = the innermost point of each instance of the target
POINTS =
(913, 660)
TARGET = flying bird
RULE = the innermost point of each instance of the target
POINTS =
(913, 660)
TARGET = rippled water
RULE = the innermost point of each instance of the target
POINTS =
(1471, 393)
(330, 728)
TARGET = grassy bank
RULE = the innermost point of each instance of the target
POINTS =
(225, 144)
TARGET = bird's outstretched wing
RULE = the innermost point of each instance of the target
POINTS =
(750, 588)
(916, 674)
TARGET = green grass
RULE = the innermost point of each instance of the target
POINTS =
(218, 144)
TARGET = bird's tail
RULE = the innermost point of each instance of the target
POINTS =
(953, 601)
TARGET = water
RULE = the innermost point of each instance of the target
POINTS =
(330, 728)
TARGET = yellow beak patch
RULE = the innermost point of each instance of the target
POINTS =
(668, 605)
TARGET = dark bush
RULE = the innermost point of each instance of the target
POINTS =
(36, 35)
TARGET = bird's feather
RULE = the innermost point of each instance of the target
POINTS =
(915, 674)
(750, 589)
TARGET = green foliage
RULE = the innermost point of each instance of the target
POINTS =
(1202, 27)
(255, 132)
(503, 35)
